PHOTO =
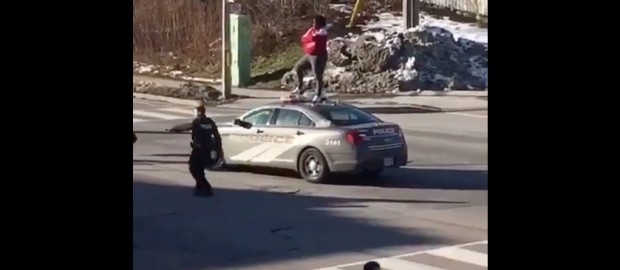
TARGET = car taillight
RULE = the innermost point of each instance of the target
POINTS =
(353, 137)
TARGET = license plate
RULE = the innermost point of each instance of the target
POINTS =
(388, 162)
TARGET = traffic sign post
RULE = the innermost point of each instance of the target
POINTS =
(226, 88)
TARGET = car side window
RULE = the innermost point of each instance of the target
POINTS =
(259, 118)
(287, 118)
(304, 121)
(343, 115)
(292, 118)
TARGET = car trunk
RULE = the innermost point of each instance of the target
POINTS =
(378, 145)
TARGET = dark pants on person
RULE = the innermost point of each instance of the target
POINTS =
(197, 162)
(317, 63)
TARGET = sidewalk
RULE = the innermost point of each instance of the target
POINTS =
(426, 101)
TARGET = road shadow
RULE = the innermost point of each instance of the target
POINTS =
(414, 178)
(422, 178)
(241, 228)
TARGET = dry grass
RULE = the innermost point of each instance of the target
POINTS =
(186, 33)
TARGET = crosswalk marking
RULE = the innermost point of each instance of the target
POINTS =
(157, 115)
(395, 264)
(464, 255)
(179, 111)
(170, 113)
(458, 257)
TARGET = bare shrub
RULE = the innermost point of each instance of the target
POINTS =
(188, 31)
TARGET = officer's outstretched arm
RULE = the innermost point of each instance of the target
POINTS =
(181, 128)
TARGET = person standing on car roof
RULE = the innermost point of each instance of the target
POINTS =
(206, 144)
(314, 43)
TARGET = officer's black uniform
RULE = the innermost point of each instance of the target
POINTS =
(372, 265)
(205, 138)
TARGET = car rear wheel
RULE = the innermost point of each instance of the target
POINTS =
(312, 166)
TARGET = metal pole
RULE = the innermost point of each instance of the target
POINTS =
(356, 9)
(226, 50)
(411, 13)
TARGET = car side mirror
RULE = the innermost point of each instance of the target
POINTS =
(242, 123)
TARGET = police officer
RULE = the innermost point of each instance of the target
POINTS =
(372, 265)
(206, 141)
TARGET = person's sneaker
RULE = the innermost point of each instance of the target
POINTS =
(319, 98)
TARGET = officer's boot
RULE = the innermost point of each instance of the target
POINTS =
(208, 190)
(203, 188)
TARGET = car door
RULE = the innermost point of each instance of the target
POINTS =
(286, 136)
(243, 144)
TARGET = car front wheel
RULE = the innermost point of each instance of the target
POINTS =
(312, 166)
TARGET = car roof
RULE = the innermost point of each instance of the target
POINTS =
(307, 105)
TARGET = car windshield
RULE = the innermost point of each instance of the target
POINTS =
(345, 116)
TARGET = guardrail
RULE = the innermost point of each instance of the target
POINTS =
(478, 7)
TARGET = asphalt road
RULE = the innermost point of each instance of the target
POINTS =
(260, 220)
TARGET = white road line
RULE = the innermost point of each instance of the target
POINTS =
(138, 120)
(221, 114)
(157, 115)
(189, 112)
(463, 255)
(336, 267)
(398, 264)
(469, 115)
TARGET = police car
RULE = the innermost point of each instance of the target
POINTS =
(314, 139)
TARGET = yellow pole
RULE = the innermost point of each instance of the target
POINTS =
(356, 9)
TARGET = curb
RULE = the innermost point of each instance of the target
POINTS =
(180, 101)
(417, 109)
(455, 93)
(179, 78)
(391, 109)
(406, 109)
(423, 93)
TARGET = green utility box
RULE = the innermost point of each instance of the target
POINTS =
(240, 49)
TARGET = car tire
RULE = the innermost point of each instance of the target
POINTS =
(312, 166)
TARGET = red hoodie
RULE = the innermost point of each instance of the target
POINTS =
(315, 41)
